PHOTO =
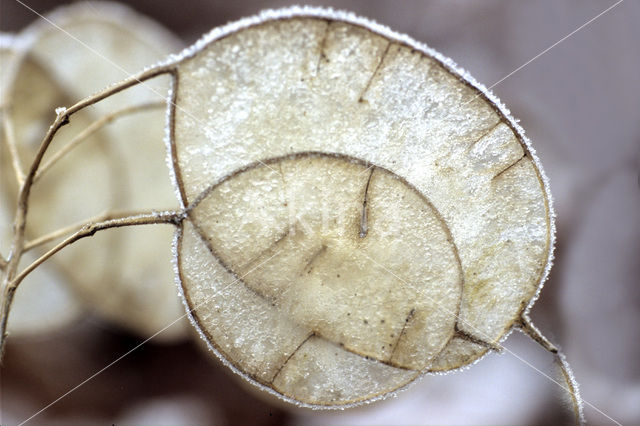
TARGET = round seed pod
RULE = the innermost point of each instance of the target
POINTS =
(360, 211)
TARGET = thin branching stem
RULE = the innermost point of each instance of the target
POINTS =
(527, 327)
(87, 230)
(90, 228)
(93, 128)
(9, 135)
(10, 279)
(62, 118)
(37, 242)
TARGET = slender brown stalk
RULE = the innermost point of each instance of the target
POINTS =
(29, 245)
(87, 230)
(9, 279)
(91, 228)
(93, 128)
(528, 328)
(62, 118)
(7, 299)
(10, 139)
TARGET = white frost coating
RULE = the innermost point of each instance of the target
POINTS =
(572, 382)
(449, 64)
(190, 314)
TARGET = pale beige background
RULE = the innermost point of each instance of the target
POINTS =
(579, 103)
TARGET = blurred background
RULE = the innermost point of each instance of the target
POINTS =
(580, 105)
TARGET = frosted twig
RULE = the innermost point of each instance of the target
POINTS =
(74, 228)
(88, 230)
(62, 118)
(93, 128)
(10, 139)
(527, 327)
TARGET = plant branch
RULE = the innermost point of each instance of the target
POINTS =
(87, 230)
(90, 228)
(527, 327)
(10, 138)
(62, 118)
(93, 128)
(29, 245)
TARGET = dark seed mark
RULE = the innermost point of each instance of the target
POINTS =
(508, 167)
(484, 135)
(323, 45)
(309, 266)
(473, 339)
(375, 72)
(364, 226)
(273, 379)
(402, 332)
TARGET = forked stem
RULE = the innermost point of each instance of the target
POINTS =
(87, 230)
(91, 228)
(30, 245)
(9, 277)
(62, 118)
(528, 328)
(93, 128)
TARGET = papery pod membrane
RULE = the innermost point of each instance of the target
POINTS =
(45, 302)
(125, 274)
(360, 212)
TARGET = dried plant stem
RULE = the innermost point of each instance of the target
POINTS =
(527, 327)
(93, 128)
(87, 230)
(62, 118)
(10, 139)
(29, 245)
(9, 278)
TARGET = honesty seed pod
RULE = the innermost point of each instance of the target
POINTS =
(359, 211)
(355, 211)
